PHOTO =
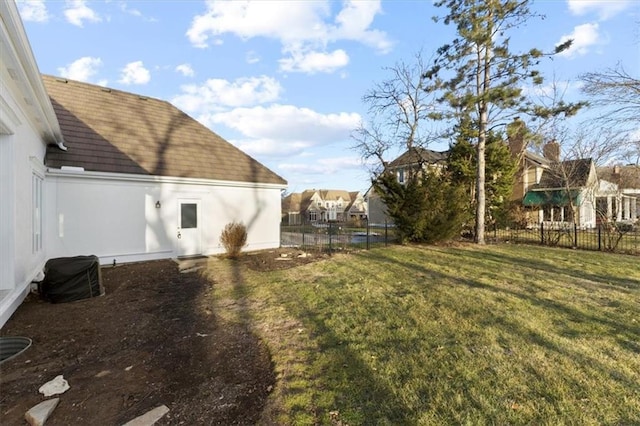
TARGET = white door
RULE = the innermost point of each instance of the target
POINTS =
(188, 233)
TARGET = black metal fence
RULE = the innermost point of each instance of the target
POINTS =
(337, 236)
(615, 238)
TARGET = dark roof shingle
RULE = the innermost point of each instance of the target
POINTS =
(108, 130)
(569, 173)
(418, 155)
(627, 177)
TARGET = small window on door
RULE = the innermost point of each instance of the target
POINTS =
(189, 215)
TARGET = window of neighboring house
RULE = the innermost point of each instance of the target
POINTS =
(546, 210)
(568, 214)
(36, 212)
(601, 207)
(320, 203)
(313, 216)
(401, 175)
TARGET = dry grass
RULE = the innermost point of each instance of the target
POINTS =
(447, 335)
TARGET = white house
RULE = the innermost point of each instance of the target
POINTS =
(87, 170)
(142, 180)
(27, 124)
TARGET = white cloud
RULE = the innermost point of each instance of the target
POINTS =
(252, 57)
(77, 12)
(33, 10)
(286, 21)
(135, 73)
(353, 23)
(324, 166)
(81, 69)
(604, 8)
(185, 70)
(584, 36)
(215, 94)
(304, 26)
(284, 129)
(135, 12)
(313, 62)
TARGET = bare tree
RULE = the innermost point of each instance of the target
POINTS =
(398, 111)
(617, 94)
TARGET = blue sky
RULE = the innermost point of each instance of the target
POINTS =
(284, 80)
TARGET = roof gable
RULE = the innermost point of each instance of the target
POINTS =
(108, 130)
(624, 176)
(569, 173)
(418, 155)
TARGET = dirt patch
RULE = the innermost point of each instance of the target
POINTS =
(154, 338)
(271, 260)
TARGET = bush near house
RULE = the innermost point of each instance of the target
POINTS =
(234, 238)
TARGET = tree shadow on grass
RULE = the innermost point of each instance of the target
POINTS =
(631, 333)
(327, 381)
(626, 284)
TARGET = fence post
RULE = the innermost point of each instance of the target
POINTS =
(542, 232)
(495, 232)
(599, 237)
(575, 235)
(302, 225)
(386, 233)
(330, 231)
(368, 229)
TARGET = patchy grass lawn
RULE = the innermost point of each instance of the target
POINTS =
(447, 335)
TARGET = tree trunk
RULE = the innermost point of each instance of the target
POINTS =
(480, 180)
(483, 72)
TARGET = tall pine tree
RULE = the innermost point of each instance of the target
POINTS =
(481, 78)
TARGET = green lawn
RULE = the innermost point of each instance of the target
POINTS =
(447, 335)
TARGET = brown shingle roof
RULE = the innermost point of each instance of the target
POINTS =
(569, 173)
(108, 130)
(418, 155)
(334, 194)
(624, 176)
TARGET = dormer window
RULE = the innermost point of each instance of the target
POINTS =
(401, 175)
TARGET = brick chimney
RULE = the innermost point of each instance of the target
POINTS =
(515, 135)
(616, 175)
(551, 151)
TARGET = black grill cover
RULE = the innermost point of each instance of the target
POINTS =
(71, 278)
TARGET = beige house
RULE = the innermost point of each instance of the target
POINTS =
(415, 161)
(323, 205)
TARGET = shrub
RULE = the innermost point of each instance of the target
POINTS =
(233, 239)
(427, 208)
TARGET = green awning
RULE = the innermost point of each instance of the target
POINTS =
(552, 197)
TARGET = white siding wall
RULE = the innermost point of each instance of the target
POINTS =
(21, 152)
(117, 219)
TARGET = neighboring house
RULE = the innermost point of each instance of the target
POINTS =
(89, 170)
(529, 172)
(357, 208)
(416, 160)
(323, 206)
(413, 161)
(27, 124)
(377, 210)
(627, 179)
(564, 188)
